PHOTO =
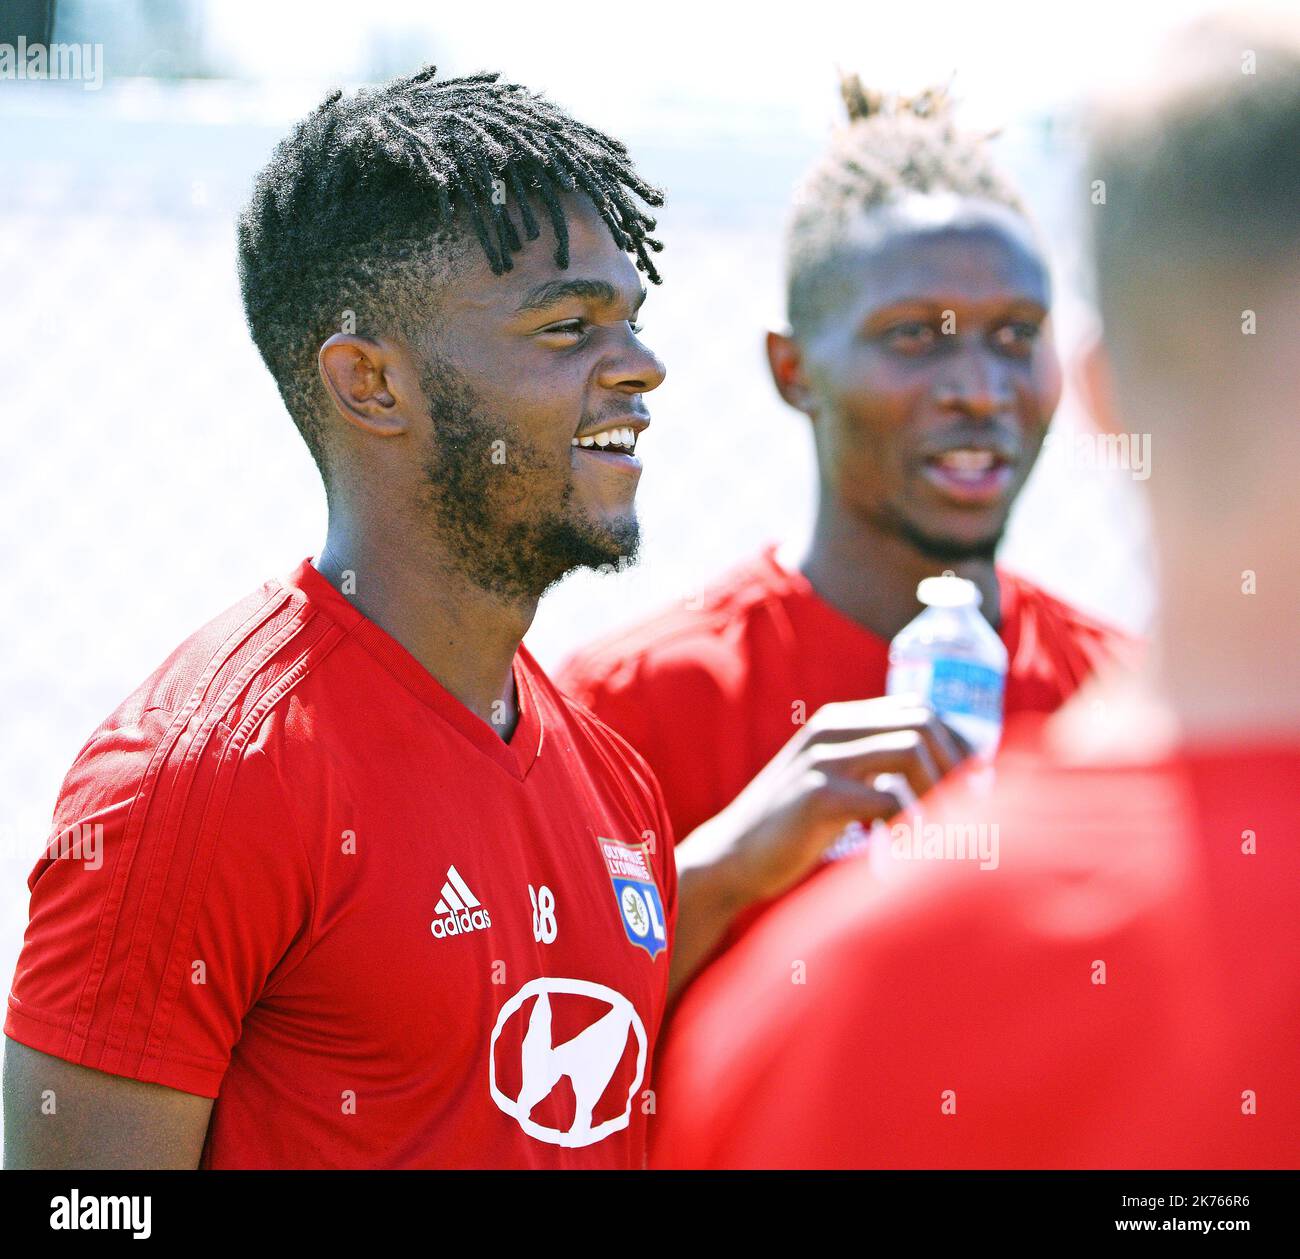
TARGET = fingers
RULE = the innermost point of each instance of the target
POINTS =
(906, 752)
(828, 771)
(856, 719)
(780, 825)
(947, 747)
(964, 750)
(839, 801)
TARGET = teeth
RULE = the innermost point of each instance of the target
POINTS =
(623, 437)
(969, 461)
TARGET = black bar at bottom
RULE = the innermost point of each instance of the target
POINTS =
(651, 1210)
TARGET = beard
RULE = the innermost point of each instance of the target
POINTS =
(941, 549)
(502, 504)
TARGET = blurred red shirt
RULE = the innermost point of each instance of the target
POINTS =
(1121, 989)
(710, 690)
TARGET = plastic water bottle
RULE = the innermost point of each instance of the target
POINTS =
(951, 657)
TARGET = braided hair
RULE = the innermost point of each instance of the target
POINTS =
(892, 146)
(370, 191)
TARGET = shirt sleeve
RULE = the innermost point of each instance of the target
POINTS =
(173, 892)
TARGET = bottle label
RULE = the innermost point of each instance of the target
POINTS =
(966, 688)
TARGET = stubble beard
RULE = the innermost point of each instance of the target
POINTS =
(939, 548)
(480, 482)
(949, 550)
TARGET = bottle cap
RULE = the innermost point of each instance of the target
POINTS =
(948, 591)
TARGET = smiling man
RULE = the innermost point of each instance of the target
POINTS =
(366, 879)
(1124, 989)
(920, 350)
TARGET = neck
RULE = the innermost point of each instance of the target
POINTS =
(870, 574)
(464, 636)
(1206, 679)
(1222, 652)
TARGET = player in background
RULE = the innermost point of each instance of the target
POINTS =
(920, 348)
(348, 863)
(1121, 986)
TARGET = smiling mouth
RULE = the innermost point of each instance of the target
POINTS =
(974, 476)
(614, 441)
(967, 463)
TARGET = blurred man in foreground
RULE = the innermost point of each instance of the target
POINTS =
(920, 349)
(1123, 989)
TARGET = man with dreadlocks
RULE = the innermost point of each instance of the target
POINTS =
(1124, 989)
(347, 863)
(919, 348)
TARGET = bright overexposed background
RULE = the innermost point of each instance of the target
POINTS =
(148, 474)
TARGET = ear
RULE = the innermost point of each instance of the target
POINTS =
(358, 374)
(1095, 382)
(785, 359)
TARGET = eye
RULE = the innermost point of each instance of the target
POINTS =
(911, 336)
(1018, 336)
(569, 328)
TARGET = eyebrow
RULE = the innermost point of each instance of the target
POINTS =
(931, 306)
(554, 291)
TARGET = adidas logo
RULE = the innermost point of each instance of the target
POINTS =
(460, 910)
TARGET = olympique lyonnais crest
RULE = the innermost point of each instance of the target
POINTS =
(637, 893)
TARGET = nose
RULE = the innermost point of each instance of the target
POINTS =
(977, 382)
(632, 368)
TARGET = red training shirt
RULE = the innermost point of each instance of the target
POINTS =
(710, 690)
(329, 896)
(1122, 989)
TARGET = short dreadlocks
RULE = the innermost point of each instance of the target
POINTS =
(369, 192)
(892, 146)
